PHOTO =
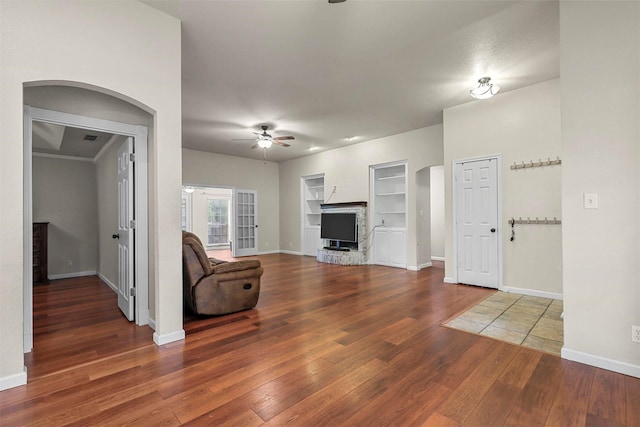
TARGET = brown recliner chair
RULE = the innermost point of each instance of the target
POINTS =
(214, 287)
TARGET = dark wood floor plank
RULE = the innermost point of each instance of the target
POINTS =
(472, 390)
(633, 401)
(522, 366)
(608, 397)
(437, 420)
(326, 345)
(495, 406)
(534, 402)
(571, 404)
(312, 410)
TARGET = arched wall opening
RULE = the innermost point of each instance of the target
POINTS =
(76, 106)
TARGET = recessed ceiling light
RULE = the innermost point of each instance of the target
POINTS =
(350, 138)
(314, 148)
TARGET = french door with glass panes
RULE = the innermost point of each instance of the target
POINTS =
(245, 240)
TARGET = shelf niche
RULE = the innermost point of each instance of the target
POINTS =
(312, 196)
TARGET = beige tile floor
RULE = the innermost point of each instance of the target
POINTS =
(519, 319)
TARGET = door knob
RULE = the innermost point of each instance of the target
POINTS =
(115, 236)
(493, 230)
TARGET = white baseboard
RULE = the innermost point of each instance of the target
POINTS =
(152, 323)
(15, 380)
(449, 280)
(70, 275)
(419, 267)
(113, 287)
(532, 292)
(162, 339)
(601, 362)
(268, 252)
(291, 252)
(437, 258)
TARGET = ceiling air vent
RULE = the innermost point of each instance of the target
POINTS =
(90, 137)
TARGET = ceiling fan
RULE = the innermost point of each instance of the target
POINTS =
(264, 140)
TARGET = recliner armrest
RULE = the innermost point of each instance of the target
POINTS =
(228, 267)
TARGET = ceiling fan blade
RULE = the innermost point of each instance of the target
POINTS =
(282, 144)
(255, 146)
(283, 138)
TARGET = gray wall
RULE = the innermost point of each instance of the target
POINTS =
(64, 194)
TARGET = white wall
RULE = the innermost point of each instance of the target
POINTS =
(423, 216)
(437, 212)
(348, 170)
(107, 192)
(522, 125)
(68, 41)
(217, 170)
(600, 43)
(64, 194)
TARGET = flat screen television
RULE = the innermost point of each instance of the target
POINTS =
(339, 226)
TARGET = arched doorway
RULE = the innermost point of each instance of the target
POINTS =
(95, 106)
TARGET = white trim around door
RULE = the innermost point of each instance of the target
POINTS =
(140, 136)
(455, 188)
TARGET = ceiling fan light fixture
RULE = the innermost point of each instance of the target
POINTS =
(265, 142)
(485, 89)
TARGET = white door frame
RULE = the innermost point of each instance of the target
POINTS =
(235, 250)
(454, 196)
(140, 136)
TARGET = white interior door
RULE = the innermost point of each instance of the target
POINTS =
(245, 239)
(477, 222)
(126, 227)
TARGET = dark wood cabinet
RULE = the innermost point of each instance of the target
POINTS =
(40, 243)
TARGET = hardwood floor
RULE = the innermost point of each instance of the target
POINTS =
(326, 345)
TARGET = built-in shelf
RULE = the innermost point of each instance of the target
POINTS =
(401, 193)
(383, 178)
(312, 188)
(389, 214)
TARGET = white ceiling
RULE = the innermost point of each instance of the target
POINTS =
(322, 72)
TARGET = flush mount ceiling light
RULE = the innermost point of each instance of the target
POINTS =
(485, 90)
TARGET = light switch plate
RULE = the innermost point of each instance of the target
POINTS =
(591, 200)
